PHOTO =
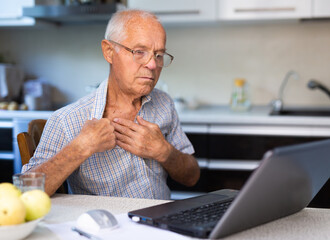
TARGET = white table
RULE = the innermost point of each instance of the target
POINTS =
(307, 224)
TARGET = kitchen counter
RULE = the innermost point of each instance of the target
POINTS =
(6, 114)
(218, 119)
(209, 115)
(256, 115)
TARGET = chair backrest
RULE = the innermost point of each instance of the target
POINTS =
(28, 142)
(35, 129)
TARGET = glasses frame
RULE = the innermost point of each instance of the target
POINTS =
(134, 51)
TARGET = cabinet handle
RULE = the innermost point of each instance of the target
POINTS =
(195, 128)
(6, 155)
(260, 10)
(228, 164)
(223, 164)
(6, 124)
(169, 13)
(202, 162)
(267, 130)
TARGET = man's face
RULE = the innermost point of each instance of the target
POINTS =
(133, 78)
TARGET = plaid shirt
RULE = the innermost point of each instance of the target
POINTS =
(114, 172)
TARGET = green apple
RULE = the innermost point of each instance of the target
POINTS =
(12, 210)
(37, 204)
(9, 189)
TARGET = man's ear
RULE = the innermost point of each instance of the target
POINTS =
(107, 50)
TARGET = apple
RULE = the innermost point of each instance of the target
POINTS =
(12, 210)
(9, 189)
(37, 204)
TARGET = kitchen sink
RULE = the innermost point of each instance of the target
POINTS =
(302, 112)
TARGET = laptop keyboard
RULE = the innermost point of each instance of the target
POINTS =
(205, 214)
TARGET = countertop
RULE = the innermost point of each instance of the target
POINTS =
(210, 115)
(255, 115)
(310, 223)
(7, 114)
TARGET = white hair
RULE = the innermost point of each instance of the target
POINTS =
(116, 26)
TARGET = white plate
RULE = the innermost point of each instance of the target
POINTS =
(19, 231)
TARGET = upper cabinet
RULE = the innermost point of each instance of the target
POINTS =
(226, 10)
(172, 11)
(321, 8)
(264, 9)
(27, 13)
(11, 13)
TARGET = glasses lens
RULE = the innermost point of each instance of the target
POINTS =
(143, 57)
(167, 60)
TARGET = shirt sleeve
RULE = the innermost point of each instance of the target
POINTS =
(52, 141)
(176, 135)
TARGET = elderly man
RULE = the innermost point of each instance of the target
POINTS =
(125, 138)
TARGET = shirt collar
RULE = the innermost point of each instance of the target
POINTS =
(101, 99)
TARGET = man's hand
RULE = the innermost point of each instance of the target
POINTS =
(147, 141)
(97, 136)
(144, 139)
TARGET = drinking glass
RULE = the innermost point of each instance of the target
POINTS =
(29, 181)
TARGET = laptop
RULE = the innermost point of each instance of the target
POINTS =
(285, 182)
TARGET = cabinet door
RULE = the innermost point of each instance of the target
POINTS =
(198, 136)
(178, 10)
(263, 9)
(13, 8)
(11, 13)
(321, 8)
(6, 152)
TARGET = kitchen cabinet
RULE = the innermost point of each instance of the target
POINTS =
(12, 123)
(263, 9)
(229, 145)
(321, 8)
(174, 11)
(169, 12)
(6, 151)
(227, 155)
(233, 151)
(11, 13)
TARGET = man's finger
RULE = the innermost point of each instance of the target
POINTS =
(141, 121)
(124, 146)
(121, 137)
(127, 123)
(123, 129)
(146, 124)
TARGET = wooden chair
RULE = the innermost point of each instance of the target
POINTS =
(28, 142)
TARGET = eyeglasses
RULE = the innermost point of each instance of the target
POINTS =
(143, 57)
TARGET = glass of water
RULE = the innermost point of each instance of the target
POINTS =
(29, 181)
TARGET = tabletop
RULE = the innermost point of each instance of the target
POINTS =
(310, 223)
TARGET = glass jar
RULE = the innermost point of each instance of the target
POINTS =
(240, 100)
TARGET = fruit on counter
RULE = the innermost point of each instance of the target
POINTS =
(16, 207)
(13, 106)
(37, 204)
(3, 105)
(8, 189)
(12, 210)
(23, 106)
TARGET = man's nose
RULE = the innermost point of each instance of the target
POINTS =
(151, 64)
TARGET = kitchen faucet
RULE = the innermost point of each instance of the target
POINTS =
(313, 84)
(277, 104)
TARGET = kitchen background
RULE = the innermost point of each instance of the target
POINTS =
(208, 57)
(214, 42)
